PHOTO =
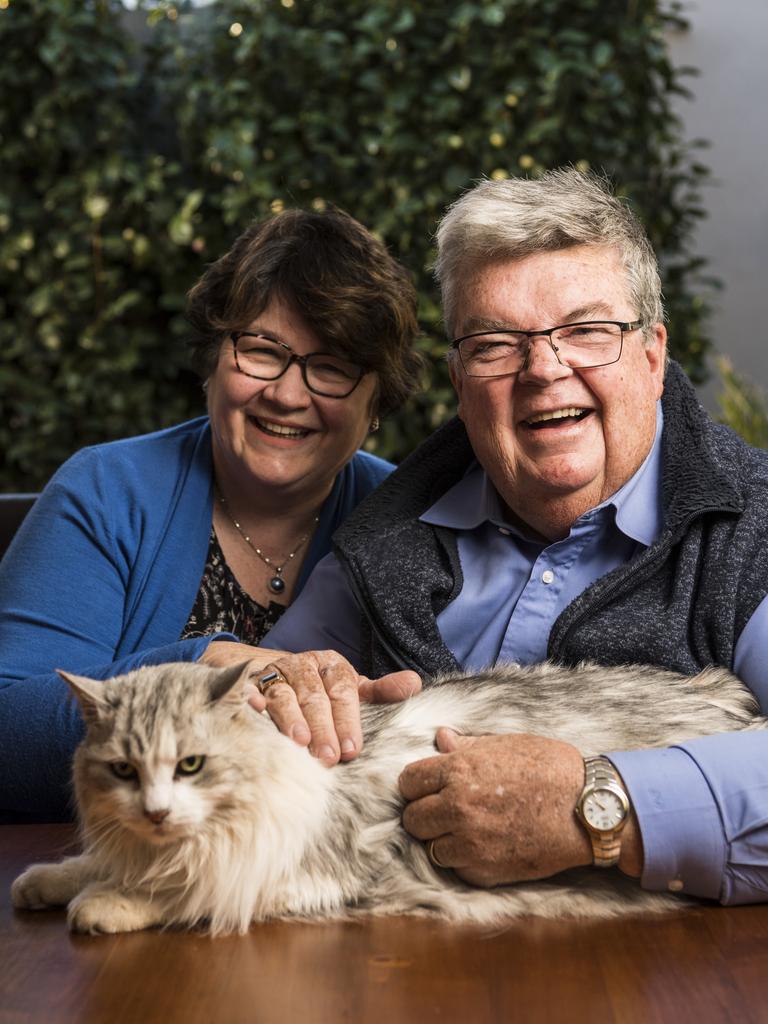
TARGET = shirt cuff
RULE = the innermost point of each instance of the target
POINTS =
(683, 842)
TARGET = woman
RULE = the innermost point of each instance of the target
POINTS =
(144, 550)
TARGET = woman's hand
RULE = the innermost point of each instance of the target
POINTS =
(221, 653)
(316, 700)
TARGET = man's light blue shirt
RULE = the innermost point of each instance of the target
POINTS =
(515, 586)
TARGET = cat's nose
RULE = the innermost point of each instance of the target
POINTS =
(157, 817)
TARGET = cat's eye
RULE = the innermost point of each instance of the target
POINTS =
(190, 765)
(123, 769)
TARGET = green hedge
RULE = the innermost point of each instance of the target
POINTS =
(135, 147)
(743, 405)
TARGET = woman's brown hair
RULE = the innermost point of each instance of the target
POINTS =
(332, 272)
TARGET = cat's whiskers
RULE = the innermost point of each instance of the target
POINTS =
(102, 831)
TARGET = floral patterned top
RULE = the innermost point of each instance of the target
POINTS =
(222, 606)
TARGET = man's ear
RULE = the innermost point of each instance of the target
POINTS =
(89, 693)
(656, 354)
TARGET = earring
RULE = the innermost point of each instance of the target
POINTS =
(374, 425)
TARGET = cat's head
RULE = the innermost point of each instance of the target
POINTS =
(167, 748)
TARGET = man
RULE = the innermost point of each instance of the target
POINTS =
(570, 512)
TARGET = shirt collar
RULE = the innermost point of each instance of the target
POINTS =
(637, 504)
(471, 501)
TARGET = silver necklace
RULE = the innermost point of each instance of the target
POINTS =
(276, 584)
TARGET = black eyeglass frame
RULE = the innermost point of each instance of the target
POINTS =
(292, 358)
(625, 326)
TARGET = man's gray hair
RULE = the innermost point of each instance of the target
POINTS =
(517, 217)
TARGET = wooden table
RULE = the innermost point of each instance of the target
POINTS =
(702, 965)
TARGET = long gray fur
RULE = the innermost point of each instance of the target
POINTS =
(265, 831)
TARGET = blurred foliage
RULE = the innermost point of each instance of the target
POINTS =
(743, 406)
(135, 146)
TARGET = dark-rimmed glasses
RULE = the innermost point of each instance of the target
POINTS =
(266, 359)
(581, 346)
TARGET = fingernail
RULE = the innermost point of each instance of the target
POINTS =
(300, 734)
(326, 753)
(347, 746)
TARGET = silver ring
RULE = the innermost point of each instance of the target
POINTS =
(433, 856)
(269, 680)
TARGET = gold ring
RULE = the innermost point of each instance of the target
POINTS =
(433, 856)
(269, 680)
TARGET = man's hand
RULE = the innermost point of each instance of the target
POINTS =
(500, 808)
(317, 699)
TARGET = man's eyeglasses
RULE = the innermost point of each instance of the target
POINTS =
(581, 345)
(265, 359)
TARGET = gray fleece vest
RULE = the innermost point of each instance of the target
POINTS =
(681, 604)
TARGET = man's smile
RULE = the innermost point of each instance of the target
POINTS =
(557, 417)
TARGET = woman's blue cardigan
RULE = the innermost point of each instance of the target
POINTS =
(100, 579)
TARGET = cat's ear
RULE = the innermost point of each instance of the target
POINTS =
(89, 692)
(231, 685)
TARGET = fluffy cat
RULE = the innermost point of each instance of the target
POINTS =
(195, 809)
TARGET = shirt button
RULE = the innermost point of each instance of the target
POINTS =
(504, 531)
(547, 576)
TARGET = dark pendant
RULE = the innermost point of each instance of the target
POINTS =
(276, 584)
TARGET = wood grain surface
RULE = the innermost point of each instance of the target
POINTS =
(702, 965)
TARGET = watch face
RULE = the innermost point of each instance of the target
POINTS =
(603, 810)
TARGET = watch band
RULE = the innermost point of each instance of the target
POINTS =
(606, 846)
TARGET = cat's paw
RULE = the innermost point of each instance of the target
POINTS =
(110, 911)
(43, 885)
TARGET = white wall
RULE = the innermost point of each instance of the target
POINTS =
(727, 43)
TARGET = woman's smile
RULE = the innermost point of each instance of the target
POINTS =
(273, 428)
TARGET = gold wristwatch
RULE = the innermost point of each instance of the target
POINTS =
(603, 809)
